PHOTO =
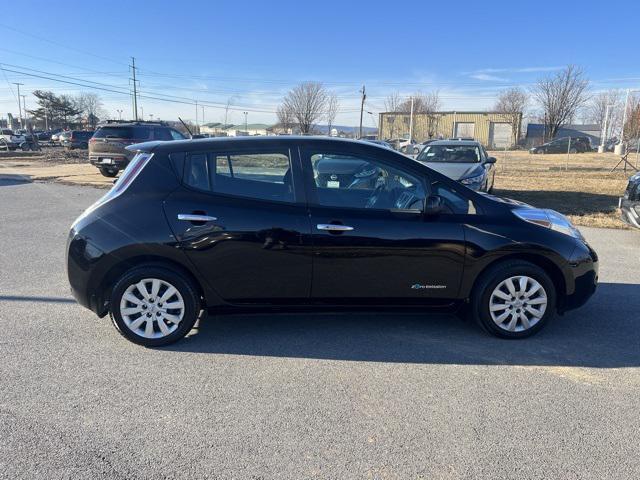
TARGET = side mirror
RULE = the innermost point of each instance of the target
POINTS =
(433, 205)
(491, 160)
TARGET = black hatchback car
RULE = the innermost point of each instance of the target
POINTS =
(565, 145)
(216, 224)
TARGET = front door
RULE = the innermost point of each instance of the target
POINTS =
(371, 238)
(241, 221)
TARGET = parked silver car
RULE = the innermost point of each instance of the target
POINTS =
(462, 160)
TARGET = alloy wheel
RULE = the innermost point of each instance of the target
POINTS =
(152, 308)
(518, 303)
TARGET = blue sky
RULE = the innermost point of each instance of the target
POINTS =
(250, 53)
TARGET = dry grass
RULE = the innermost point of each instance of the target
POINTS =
(581, 186)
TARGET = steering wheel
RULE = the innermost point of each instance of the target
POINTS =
(375, 195)
(407, 199)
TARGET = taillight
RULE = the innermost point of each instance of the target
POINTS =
(92, 140)
(131, 172)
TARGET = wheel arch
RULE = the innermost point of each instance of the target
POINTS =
(117, 270)
(549, 267)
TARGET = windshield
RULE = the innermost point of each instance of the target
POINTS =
(450, 154)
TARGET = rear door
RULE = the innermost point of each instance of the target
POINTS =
(242, 220)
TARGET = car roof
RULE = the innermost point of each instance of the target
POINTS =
(132, 124)
(202, 143)
(454, 143)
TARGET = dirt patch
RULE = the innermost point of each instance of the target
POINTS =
(54, 164)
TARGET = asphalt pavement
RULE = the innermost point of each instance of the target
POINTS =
(306, 395)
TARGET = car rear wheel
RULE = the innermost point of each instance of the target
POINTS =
(154, 306)
(108, 172)
(573, 150)
(514, 299)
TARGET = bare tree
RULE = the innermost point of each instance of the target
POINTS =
(511, 104)
(422, 103)
(632, 122)
(90, 105)
(605, 104)
(332, 110)
(285, 118)
(308, 104)
(560, 96)
(392, 102)
(427, 104)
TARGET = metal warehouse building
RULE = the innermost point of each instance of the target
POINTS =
(492, 129)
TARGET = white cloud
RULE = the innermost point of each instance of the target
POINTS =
(488, 78)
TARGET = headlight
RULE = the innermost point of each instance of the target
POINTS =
(366, 173)
(549, 219)
(471, 180)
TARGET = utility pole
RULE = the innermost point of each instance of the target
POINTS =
(364, 96)
(246, 130)
(411, 122)
(19, 106)
(135, 90)
(197, 124)
(603, 135)
(24, 108)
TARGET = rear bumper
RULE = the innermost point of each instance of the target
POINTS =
(104, 160)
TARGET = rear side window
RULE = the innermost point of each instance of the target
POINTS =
(161, 134)
(260, 175)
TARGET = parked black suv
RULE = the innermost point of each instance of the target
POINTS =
(561, 145)
(77, 139)
(107, 148)
(226, 223)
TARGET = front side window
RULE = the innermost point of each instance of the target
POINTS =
(359, 182)
(450, 154)
(265, 176)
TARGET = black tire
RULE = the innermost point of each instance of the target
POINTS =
(108, 172)
(84, 146)
(490, 279)
(183, 284)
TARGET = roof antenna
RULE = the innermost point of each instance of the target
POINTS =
(185, 126)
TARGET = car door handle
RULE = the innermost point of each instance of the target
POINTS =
(192, 217)
(333, 228)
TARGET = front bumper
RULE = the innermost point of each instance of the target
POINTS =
(584, 272)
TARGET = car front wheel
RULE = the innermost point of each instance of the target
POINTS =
(515, 299)
(154, 306)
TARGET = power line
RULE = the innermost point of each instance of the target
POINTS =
(96, 86)
(29, 34)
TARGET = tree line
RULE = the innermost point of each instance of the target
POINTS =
(554, 100)
(66, 111)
